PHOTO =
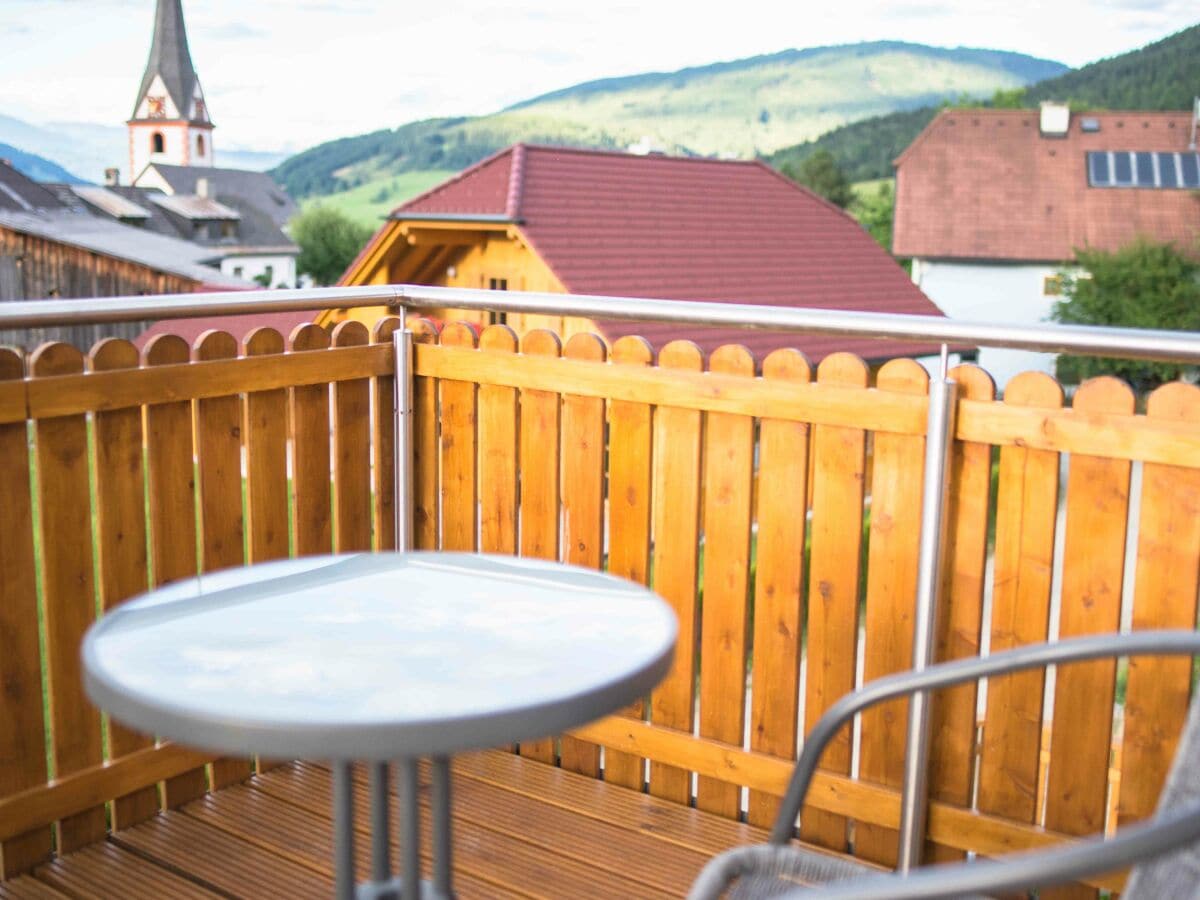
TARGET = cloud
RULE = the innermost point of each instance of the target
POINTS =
(233, 31)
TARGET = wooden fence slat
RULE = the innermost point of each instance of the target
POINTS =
(351, 450)
(1093, 573)
(1165, 591)
(953, 715)
(583, 503)
(222, 522)
(676, 534)
(426, 424)
(121, 520)
(1026, 509)
(68, 590)
(311, 500)
(459, 477)
(728, 482)
(171, 481)
(539, 454)
(383, 440)
(896, 483)
(22, 741)
(837, 491)
(498, 452)
(629, 478)
(266, 431)
(779, 574)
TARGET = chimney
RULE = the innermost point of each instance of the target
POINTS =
(112, 177)
(1056, 119)
(202, 187)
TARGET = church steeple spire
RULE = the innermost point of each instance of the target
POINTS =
(170, 60)
(170, 122)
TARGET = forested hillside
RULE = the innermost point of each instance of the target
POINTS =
(737, 108)
(1163, 75)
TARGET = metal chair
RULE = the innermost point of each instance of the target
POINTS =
(779, 869)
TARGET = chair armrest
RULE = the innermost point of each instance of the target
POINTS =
(1022, 871)
(1033, 656)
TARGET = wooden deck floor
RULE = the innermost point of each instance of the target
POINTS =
(522, 829)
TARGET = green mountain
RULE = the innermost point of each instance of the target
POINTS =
(1162, 75)
(740, 108)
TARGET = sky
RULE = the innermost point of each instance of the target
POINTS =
(287, 74)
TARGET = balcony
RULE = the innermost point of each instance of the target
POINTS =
(781, 509)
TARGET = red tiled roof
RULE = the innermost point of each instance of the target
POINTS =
(695, 229)
(238, 326)
(985, 184)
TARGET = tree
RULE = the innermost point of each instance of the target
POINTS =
(328, 241)
(1143, 285)
(875, 213)
(821, 174)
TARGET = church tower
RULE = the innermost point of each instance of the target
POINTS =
(170, 122)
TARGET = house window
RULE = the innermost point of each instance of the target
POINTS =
(237, 271)
(498, 284)
(1052, 286)
(268, 273)
(228, 229)
(156, 142)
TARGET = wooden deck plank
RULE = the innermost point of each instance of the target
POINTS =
(105, 870)
(513, 862)
(522, 830)
(661, 820)
(26, 887)
(305, 837)
(215, 858)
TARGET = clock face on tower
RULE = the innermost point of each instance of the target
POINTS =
(158, 107)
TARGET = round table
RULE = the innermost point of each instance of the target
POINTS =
(379, 658)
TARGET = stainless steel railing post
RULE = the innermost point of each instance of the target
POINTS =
(938, 443)
(402, 344)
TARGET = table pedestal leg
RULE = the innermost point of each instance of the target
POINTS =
(343, 831)
(440, 803)
(381, 865)
(410, 829)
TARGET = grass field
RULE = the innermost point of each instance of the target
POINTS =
(370, 203)
(864, 189)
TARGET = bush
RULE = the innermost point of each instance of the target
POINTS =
(328, 241)
(1142, 285)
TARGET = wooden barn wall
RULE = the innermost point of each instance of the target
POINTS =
(33, 268)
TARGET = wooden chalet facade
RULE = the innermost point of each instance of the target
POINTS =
(561, 220)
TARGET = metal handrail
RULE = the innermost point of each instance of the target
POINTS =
(1128, 343)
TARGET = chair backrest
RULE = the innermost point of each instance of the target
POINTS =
(1175, 875)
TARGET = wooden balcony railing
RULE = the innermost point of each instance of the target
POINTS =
(129, 469)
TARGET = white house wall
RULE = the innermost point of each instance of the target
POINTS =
(283, 268)
(992, 292)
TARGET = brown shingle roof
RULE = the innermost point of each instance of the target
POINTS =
(678, 228)
(985, 184)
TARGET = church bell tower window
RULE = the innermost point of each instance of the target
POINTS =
(199, 145)
(157, 144)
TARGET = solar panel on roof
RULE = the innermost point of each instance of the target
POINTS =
(1168, 170)
(1144, 165)
(1098, 175)
(1189, 164)
(1124, 168)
